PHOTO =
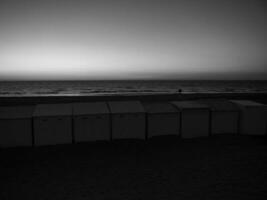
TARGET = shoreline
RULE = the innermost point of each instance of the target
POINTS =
(33, 100)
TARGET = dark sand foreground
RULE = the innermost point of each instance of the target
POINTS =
(218, 167)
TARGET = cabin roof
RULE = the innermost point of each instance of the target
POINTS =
(189, 105)
(220, 105)
(16, 112)
(46, 110)
(159, 107)
(125, 107)
(247, 103)
(90, 108)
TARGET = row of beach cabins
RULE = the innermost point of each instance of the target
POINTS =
(50, 124)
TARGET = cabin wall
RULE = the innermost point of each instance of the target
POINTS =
(15, 132)
(194, 123)
(52, 130)
(163, 124)
(91, 128)
(126, 126)
(253, 121)
(224, 122)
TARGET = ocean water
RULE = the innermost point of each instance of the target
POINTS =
(93, 88)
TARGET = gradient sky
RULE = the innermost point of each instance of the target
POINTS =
(138, 39)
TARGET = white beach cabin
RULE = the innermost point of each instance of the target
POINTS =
(195, 119)
(224, 116)
(253, 119)
(52, 124)
(127, 119)
(16, 126)
(163, 118)
(91, 121)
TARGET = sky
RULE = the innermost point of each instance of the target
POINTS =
(133, 39)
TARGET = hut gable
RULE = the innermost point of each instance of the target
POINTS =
(50, 110)
(189, 105)
(247, 103)
(220, 105)
(158, 107)
(16, 112)
(90, 108)
(119, 107)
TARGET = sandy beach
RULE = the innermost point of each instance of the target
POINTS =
(218, 167)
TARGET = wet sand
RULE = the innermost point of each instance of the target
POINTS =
(218, 167)
(260, 97)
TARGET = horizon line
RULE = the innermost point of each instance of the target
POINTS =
(74, 80)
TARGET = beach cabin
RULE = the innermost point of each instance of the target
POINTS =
(195, 119)
(16, 126)
(91, 121)
(163, 118)
(127, 120)
(224, 116)
(253, 118)
(52, 124)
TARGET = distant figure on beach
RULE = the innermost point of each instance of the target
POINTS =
(180, 90)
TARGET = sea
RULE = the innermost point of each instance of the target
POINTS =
(140, 87)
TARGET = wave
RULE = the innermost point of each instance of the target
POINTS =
(90, 88)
